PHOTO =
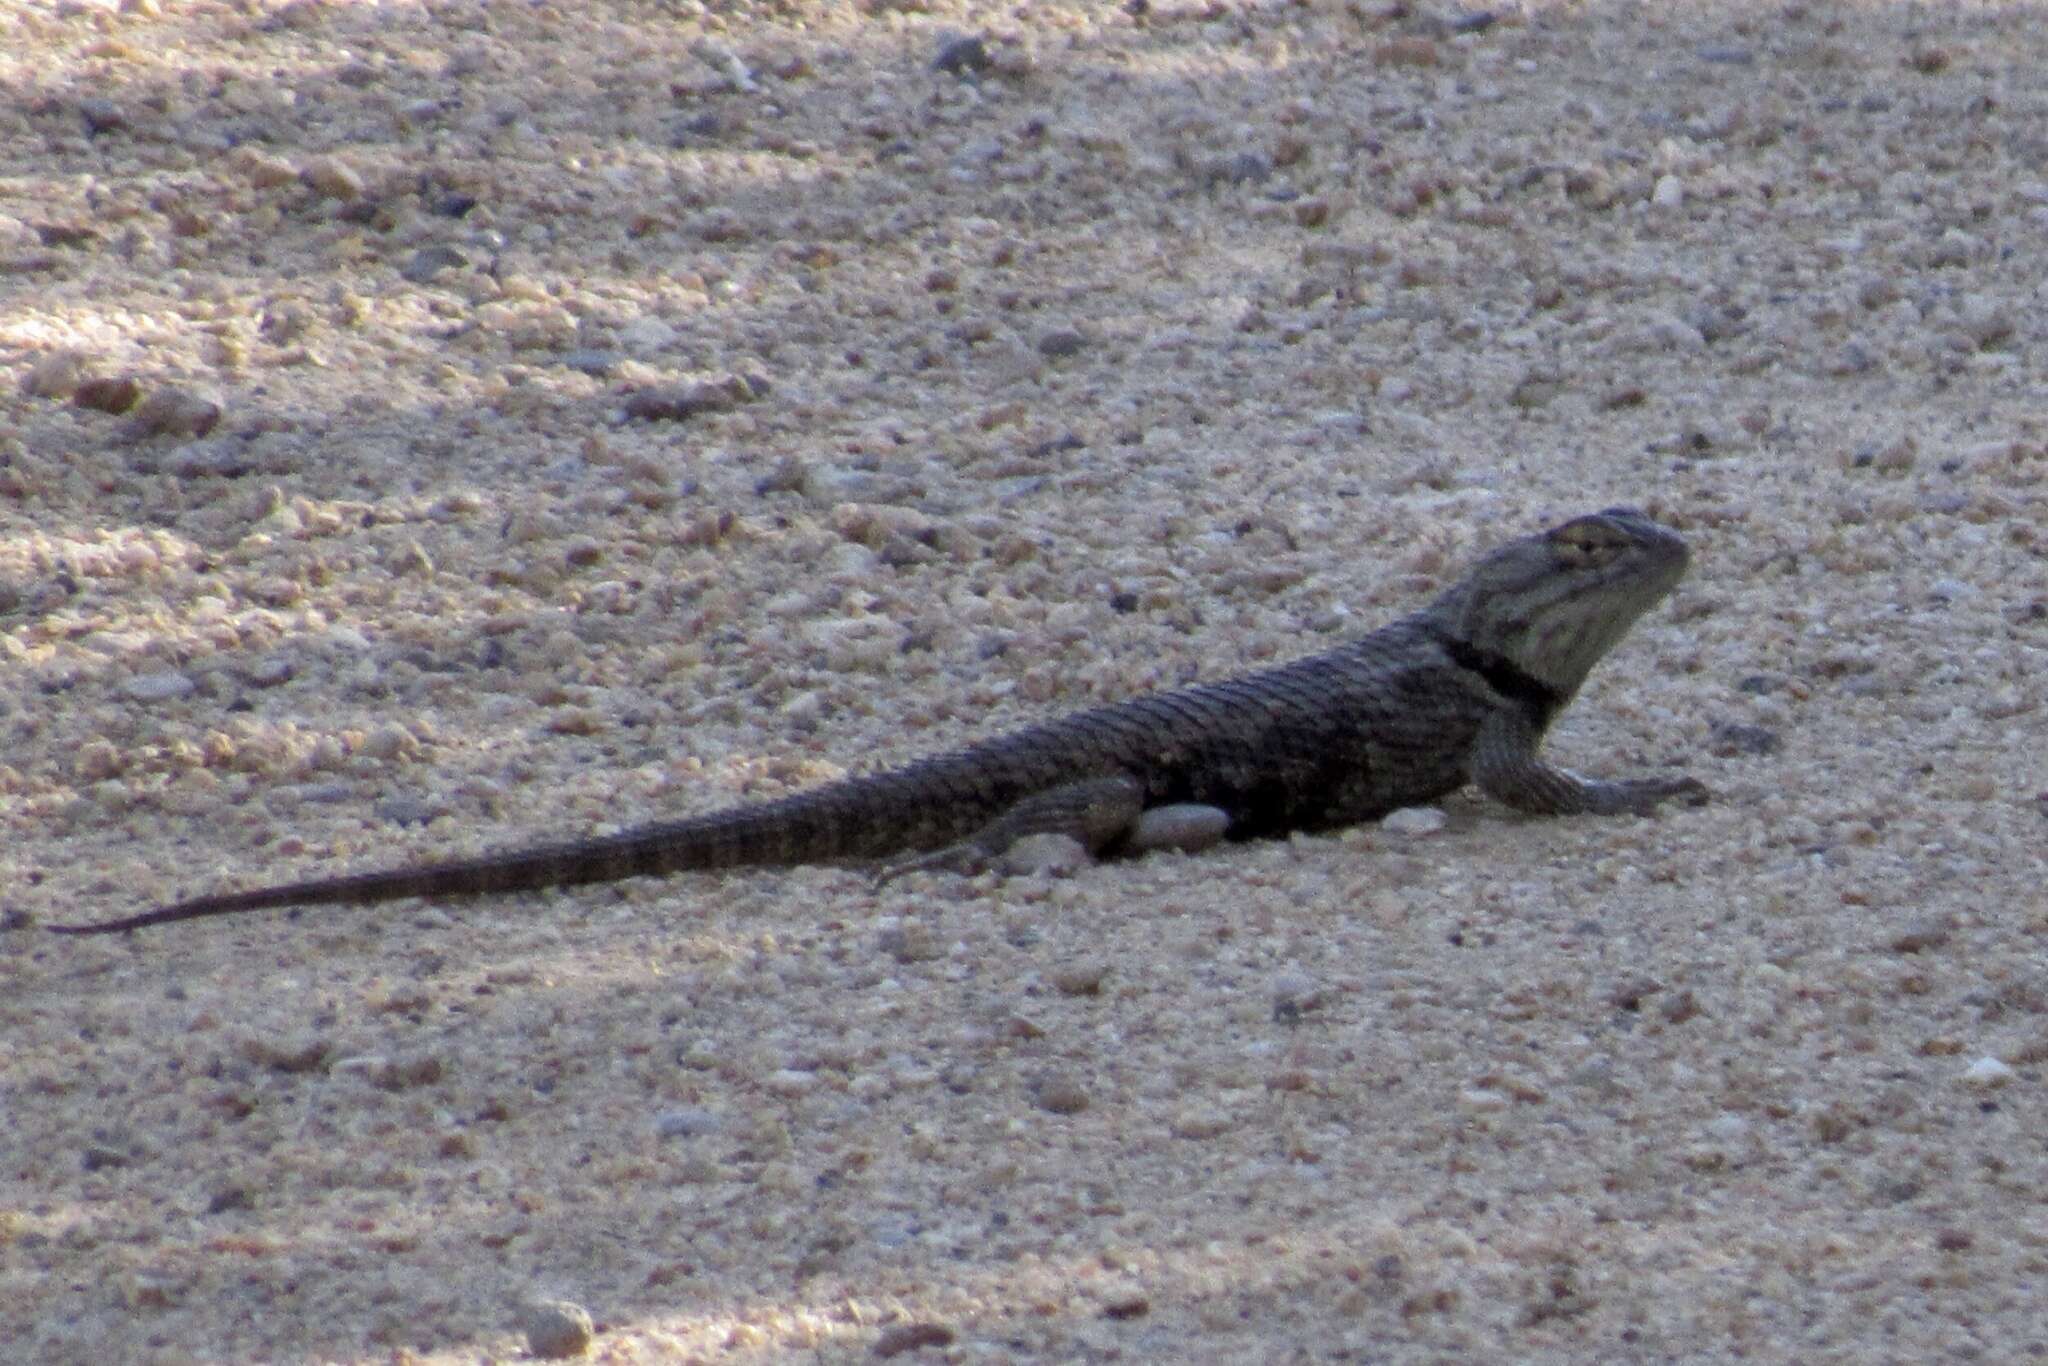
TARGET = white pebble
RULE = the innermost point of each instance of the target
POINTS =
(1728, 1128)
(645, 336)
(1480, 1100)
(686, 1121)
(167, 686)
(1414, 820)
(788, 1081)
(1670, 192)
(1987, 1073)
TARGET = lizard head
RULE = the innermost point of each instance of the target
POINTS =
(1554, 603)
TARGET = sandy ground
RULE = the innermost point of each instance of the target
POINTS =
(429, 428)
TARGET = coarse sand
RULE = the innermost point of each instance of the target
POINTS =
(427, 428)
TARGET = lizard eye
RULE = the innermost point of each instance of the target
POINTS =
(1579, 547)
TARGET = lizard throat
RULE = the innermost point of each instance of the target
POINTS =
(1539, 701)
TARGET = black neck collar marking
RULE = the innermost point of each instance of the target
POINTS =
(1538, 699)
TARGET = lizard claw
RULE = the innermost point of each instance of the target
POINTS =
(1642, 796)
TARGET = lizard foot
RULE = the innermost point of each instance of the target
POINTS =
(1642, 796)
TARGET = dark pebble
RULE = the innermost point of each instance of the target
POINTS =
(596, 364)
(1061, 344)
(101, 115)
(408, 811)
(910, 1337)
(700, 127)
(428, 262)
(66, 234)
(1245, 168)
(115, 395)
(674, 405)
(1730, 739)
(222, 458)
(961, 54)
(1927, 934)
(99, 1157)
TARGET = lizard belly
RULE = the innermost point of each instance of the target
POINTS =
(1314, 774)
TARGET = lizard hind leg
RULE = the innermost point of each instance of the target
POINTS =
(1097, 813)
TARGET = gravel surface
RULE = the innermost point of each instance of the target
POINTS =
(425, 428)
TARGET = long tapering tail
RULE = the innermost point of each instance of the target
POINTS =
(859, 819)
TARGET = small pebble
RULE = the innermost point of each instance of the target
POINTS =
(1241, 168)
(1080, 979)
(912, 942)
(428, 262)
(265, 170)
(686, 1121)
(1045, 854)
(556, 1329)
(1201, 1122)
(1536, 389)
(1987, 1073)
(961, 54)
(57, 375)
(788, 1081)
(333, 177)
(1295, 994)
(1730, 740)
(404, 811)
(1187, 826)
(101, 115)
(1412, 52)
(166, 686)
(596, 364)
(911, 1337)
(1630, 992)
(1414, 820)
(674, 405)
(115, 395)
(1061, 343)
(1669, 192)
(271, 672)
(291, 1054)
(403, 1074)
(172, 411)
(96, 1157)
(285, 796)
(726, 63)
(646, 336)
(67, 234)
(1929, 60)
(1728, 1128)
(1922, 935)
(1061, 1095)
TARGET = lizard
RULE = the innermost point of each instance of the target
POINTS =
(1461, 691)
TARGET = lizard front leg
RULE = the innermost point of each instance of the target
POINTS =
(1505, 766)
